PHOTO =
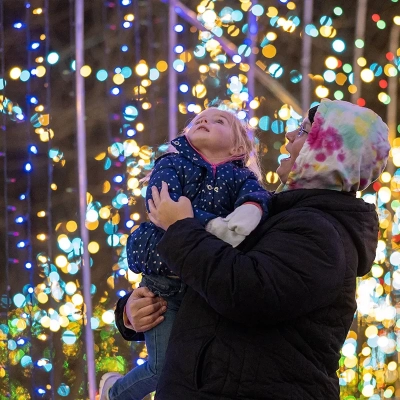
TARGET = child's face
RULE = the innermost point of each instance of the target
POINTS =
(211, 133)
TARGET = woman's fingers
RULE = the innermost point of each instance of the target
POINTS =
(150, 326)
(149, 316)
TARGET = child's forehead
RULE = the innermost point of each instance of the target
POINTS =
(215, 111)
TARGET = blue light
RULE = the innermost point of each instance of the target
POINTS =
(129, 224)
(140, 361)
(102, 75)
(21, 342)
(41, 391)
(115, 91)
(28, 265)
(28, 167)
(126, 2)
(35, 45)
(124, 48)
(130, 132)
(178, 28)
(118, 179)
(184, 88)
(21, 244)
(121, 293)
(30, 290)
(20, 117)
(121, 272)
(33, 71)
(19, 220)
(33, 100)
(179, 49)
(18, 25)
(127, 24)
(22, 197)
(191, 107)
(33, 149)
(117, 70)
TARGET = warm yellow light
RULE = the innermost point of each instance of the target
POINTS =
(139, 127)
(367, 75)
(40, 71)
(253, 122)
(162, 66)
(371, 331)
(71, 226)
(341, 78)
(77, 299)
(41, 214)
(203, 69)
(352, 89)
(70, 288)
(86, 71)
(392, 366)
(269, 51)
(331, 62)
(42, 297)
(396, 19)
(129, 17)
(39, 60)
(37, 11)
(42, 237)
(142, 69)
(53, 186)
(146, 106)
(133, 183)
(322, 91)
(15, 73)
(118, 79)
(291, 5)
(386, 177)
(137, 192)
(61, 261)
(361, 61)
(39, 108)
(108, 317)
(254, 104)
(199, 91)
(54, 325)
(93, 247)
(42, 36)
(271, 36)
(272, 12)
(45, 321)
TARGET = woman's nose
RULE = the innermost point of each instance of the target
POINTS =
(291, 136)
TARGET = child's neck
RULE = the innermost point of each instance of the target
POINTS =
(213, 157)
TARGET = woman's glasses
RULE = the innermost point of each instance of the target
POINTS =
(302, 131)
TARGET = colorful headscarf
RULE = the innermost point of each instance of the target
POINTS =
(346, 149)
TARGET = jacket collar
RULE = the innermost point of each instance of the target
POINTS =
(185, 149)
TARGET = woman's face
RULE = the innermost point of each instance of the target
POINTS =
(296, 140)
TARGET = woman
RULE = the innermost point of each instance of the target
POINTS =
(267, 320)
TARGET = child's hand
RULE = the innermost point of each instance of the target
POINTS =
(244, 219)
(219, 228)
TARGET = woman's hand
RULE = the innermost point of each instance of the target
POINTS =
(144, 310)
(164, 211)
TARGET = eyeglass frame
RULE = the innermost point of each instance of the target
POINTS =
(302, 131)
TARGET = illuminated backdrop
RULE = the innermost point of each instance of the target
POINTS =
(42, 353)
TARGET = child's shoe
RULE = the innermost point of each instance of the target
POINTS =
(107, 380)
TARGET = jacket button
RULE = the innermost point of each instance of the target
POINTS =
(216, 189)
(209, 187)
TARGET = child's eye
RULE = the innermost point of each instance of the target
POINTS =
(220, 121)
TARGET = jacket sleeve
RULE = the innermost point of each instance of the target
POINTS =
(293, 269)
(127, 334)
(165, 170)
(251, 191)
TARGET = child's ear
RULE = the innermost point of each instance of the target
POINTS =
(237, 151)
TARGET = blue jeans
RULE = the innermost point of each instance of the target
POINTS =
(143, 379)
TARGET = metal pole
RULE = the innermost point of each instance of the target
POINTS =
(230, 48)
(172, 74)
(252, 38)
(81, 142)
(358, 52)
(306, 56)
(393, 83)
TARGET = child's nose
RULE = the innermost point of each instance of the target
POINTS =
(204, 120)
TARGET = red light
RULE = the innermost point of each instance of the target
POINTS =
(376, 186)
(339, 63)
(361, 102)
(390, 56)
(375, 17)
(383, 84)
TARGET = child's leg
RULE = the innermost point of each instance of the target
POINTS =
(143, 379)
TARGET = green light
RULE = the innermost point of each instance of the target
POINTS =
(381, 24)
(359, 43)
(347, 68)
(398, 128)
(338, 11)
(338, 95)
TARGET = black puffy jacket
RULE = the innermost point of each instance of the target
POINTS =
(267, 320)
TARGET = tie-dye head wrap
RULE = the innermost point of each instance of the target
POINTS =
(346, 149)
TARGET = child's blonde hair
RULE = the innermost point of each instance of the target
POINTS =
(243, 137)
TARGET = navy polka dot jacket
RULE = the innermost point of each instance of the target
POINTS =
(215, 190)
